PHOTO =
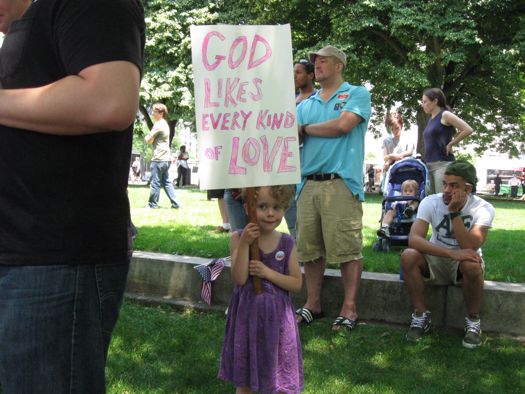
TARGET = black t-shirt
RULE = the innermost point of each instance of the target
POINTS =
(63, 199)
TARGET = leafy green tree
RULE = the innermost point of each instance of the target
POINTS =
(473, 50)
(168, 74)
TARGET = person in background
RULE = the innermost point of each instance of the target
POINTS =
(304, 86)
(371, 174)
(219, 195)
(136, 168)
(333, 124)
(158, 137)
(398, 145)
(183, 169)
(69, 92)
(497, 184)
(440, 136)
(235, 208)
(303, 72)
(460, 222)
(514, 184)
(261, 351)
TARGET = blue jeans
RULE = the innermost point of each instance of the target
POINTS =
(159, 177)
(183, 176)
(55, 326)
(236, 213)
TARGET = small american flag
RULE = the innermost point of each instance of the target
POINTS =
(209, 272)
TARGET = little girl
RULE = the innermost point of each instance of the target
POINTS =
(262, 349)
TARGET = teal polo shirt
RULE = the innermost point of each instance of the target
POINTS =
(343, 155)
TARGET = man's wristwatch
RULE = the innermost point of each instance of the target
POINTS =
(454, 214)
(303, 129)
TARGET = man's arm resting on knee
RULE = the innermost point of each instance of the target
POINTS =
(102, 97)
(417, 240)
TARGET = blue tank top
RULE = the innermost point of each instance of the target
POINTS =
(437, 136)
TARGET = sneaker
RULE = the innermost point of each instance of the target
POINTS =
(419, 326)
(383, 232)
(472, 338)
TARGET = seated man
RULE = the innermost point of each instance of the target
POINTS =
(460, 222)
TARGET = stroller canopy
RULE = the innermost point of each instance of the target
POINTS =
(400, 171)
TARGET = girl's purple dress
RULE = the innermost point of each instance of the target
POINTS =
(262, 347)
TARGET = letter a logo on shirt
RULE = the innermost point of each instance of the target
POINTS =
(444, 228)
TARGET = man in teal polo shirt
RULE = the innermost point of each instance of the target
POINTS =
(332, 124)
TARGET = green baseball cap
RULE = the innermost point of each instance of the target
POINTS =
(463, 169)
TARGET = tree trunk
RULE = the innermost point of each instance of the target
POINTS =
(144, 111)
(172, 124)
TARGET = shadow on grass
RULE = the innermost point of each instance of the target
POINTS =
(158, 351)
(201, 241)
(378, 359)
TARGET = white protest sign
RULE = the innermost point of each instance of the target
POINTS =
(245, 106)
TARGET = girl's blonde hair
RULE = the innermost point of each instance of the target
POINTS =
(283, 194)
(410, 182)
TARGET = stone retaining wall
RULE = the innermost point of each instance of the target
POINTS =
(382, 297)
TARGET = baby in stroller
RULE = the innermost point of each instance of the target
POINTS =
(402, 209)
(404, 188)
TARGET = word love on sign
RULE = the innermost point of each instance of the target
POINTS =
(245, 106)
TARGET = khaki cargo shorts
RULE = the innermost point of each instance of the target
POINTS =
(444, 271)
(329, 222)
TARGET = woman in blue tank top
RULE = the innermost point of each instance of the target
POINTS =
(439, 135)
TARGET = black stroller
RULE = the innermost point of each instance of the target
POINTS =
(399, 229)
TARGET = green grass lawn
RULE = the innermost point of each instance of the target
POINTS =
(158, 350)
(189, 231)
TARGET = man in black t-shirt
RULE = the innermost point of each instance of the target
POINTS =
(69, 82)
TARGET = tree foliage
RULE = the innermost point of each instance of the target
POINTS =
(473, 50)
(168, 74)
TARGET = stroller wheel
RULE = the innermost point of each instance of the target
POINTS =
(376, 247)
(386, 246)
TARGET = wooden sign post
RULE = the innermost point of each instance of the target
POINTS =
(254, 247)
